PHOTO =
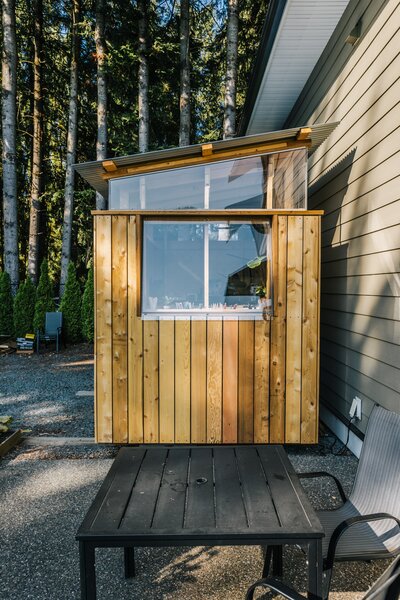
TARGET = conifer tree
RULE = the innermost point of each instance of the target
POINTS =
(44, 298)
(24, 308)
(88, 308)
(9, 141)
(6, 305)
(71, 307)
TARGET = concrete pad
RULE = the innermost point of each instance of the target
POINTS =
(48, 440)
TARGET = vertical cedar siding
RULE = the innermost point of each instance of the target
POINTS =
(207, 381)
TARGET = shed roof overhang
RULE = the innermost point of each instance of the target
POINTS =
(97, 173)
(294, 35)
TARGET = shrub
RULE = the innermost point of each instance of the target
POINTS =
(88, 308)
(6, 305)
(71, 307)
(44, 298)
(24, 308)
(5, 423)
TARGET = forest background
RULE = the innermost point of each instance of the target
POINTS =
(81, 72)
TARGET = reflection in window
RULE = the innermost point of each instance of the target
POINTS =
(213, 267)
(276, 180)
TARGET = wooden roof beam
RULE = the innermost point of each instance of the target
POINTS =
(303, 134)
(109, 166)
(206, 149)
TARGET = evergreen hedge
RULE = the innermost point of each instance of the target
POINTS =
(44, 298)
(6, 305)
(88, 308)
(24, 308)
(71, 307)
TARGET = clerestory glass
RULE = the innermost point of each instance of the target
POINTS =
(270, 181)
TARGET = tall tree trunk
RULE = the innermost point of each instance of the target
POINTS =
(101, 145)
(184, 104)
(143, 103)
(37, 144)
(8, 119)
(231, 70)
(71, 150)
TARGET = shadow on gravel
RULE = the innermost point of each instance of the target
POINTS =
(39, 391)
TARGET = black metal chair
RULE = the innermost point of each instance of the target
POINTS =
(387, 587)
(367, 526)
(52, 330)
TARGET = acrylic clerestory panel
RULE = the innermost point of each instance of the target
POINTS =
(272, 181)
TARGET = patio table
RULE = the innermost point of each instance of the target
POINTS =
(199, 496)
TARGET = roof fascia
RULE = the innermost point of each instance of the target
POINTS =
(268, 36)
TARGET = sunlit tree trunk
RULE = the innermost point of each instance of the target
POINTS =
(143, 100)
(101, 145)
(71, 150)
(231, 69)
(37, 143)
(184, 104)
(8, 120)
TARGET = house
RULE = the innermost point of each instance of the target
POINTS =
(354, 176)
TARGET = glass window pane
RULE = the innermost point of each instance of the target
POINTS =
(276, 180)
(238, 255)
(290, 179)
(237, 184)
(173, 266)
(197, 266)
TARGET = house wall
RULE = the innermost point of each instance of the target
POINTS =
(355, 178)
(207, 381)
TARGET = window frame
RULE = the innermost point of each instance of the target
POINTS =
(203, 216)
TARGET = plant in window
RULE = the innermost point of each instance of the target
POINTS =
(261, 291)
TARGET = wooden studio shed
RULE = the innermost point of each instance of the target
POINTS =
(207, 277)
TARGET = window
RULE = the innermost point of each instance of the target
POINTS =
(276, 180)
(202, 267)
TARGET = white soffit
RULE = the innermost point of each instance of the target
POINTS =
(304, 31)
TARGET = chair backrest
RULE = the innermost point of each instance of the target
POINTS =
(377, 483)
(388, 585)
(53, 322)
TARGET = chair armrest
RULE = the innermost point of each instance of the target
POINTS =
(275, 586)
(344, 525)
(325, 474)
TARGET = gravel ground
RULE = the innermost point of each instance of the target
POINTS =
(43, 502)
(47, 489)
(38, 390)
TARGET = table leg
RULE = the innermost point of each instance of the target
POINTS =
(274, 553)
(315, 570)
(88, 572)
(129, 559)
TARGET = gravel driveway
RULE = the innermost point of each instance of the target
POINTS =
(39, 391)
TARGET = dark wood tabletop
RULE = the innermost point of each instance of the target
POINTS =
(200, 495)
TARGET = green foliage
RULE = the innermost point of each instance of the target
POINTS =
(6, 305)
(24, 308)
(88, 308)
(5, 423)
(44, 298)
(207, 58)
(71, 307)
